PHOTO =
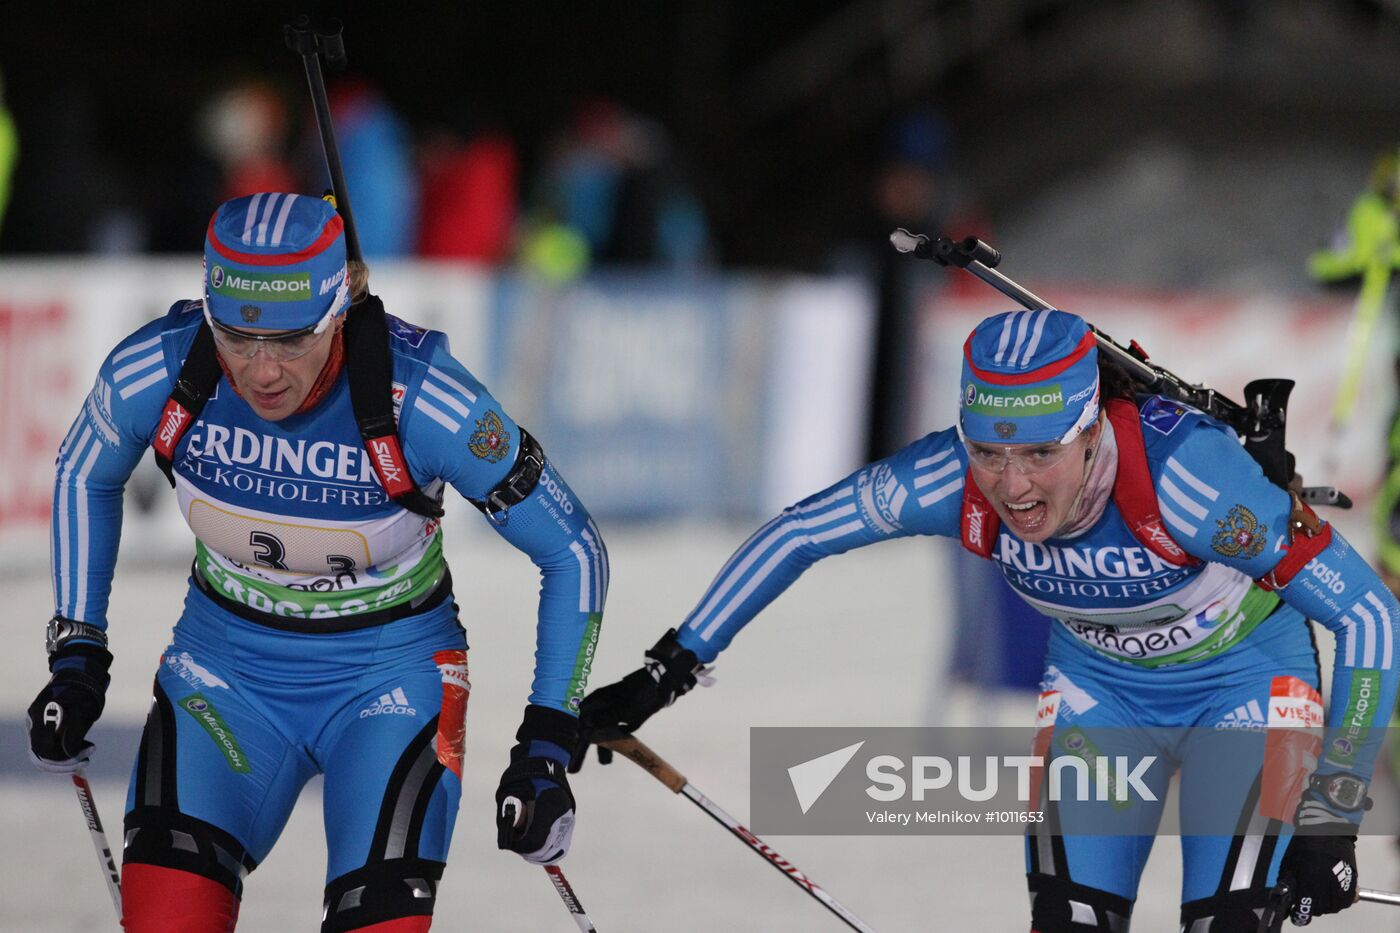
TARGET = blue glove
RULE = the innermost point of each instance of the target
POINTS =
(64, 711)
(534, 806)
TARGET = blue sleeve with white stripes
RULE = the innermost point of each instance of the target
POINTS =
(454, 430)
(97, 456)
(1220, 507)
(915, 491)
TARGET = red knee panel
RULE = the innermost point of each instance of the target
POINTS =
(165, 900)
(401, 925)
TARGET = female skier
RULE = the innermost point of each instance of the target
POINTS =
(309, 438)
(1181, 579)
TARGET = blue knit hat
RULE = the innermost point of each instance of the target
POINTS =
(1029, 377)
(274, 261)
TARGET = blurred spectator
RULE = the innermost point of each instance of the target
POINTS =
(913, 186)
(1368, 251)
(469, 190)
(9, 152)
(614, 180)
(1370, 234)
(244, 130)
(376, 149)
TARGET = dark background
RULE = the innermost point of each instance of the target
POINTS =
(1272, 110)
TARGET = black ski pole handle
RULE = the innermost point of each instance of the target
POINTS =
(314, 40)
(1277, 909)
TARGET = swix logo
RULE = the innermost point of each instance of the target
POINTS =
(175, 417)
(1158, 536)
(763, 849)
(976, 515)
(389, 466)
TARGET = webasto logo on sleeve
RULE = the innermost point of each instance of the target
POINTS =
(295, 286)
(1044, 400)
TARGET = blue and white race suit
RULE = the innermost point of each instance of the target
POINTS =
(1139, 641)
(319, 633)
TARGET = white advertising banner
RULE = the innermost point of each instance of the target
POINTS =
(659, 396)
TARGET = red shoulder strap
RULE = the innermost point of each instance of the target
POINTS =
(1133, 491)
(199, 374)
(980, 522)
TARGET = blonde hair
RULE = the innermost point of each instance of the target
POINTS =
(359, 280)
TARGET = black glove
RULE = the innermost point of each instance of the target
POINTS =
(1321, 873)
(64, 711)
(619, 709)
(534, 806)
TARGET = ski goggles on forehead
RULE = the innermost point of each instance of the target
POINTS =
(281, 348)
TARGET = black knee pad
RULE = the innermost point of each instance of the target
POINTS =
(170, 839)
(1231, 912)
(1059, 906)
(384, 890)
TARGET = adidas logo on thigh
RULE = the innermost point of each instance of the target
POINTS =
(393, 703)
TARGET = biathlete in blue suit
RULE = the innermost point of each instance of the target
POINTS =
(1181, 580)
(309, 438)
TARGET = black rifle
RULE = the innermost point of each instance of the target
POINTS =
(1261, 421)
(313, 41)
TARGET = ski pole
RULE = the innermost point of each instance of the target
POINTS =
(1379, 897)
(658, 768)
(570, 899)
(312, 41)
(1281, 902)
(99, 839)
(514, 808)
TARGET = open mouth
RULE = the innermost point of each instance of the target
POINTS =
(269, 399)
(1027, 516)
